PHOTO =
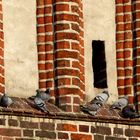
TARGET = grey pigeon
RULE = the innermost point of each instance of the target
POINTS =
(91, 109)
(120, 104)
(5, 101)
(44, 95)
(101, 97)
(40, 104)
(129, 112)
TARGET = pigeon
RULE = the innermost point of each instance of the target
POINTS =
(40, 104)
(120, 104)
(129, 112)
(95, 105)
(101, 97)
(91, 109)
(5, 101)
(44, 95)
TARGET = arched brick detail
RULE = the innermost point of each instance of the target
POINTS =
(2, 81)
(61, 47)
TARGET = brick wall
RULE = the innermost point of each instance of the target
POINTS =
(61, 52)
(28, 128)
(2, 87)
(127, 46)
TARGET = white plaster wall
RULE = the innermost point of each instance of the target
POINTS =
(99, 24)
(21, 72)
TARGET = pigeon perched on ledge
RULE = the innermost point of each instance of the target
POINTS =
(40, 104)
(101, 97)
(44, 95)
(5, 101)
(95, 105)
(91, 108)
(129, 112)
(120, 104)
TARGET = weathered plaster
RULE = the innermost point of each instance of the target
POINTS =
(21, 72)
(99, 24)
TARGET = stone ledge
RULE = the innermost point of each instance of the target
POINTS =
(24, 107)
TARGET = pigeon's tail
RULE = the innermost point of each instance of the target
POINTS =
(85, 109)
(32, 97)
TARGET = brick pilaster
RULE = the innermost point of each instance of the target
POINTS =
(124, 45)
(69, 60)
(61, 51)
(45, 44)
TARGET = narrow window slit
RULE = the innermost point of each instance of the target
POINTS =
(99, 64)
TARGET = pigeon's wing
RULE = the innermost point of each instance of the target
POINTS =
(91, 108)
(40, 104)
(101, 97)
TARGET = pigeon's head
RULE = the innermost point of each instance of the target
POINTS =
(47, 90)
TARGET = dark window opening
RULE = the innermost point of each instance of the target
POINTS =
(99, 64)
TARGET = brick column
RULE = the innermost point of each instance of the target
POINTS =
(136, 51)
(127, 46)
(124, 44)
(2, 82)
(61, 51)
(69, 60)
(45, 44)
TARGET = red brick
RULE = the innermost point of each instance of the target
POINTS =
(67, 54)
(127, 18)
(62, 135)
(47, 126)
(26, 124)
(119, 45)
(66, 108)
(70, 72)
(61, 26)
(28, 133)
(83, 128)
(61, 7)
(75, 81)
(62, 63)
(127, 8)
(118, 131)
(10, 132)
(65, 99)
(120, 27)
(45, 134)
(119, 18)
(68, 17)
(67, 127)
(62, 45)
(119, 9)
(75, 9)
(66, 35)
(63, 81)
(46, 2)
(76, 108)
(76, 100)
(119, 1)
(75, 27)
(75, 46)
(128, 35)
(81, 137)
(12, 122)
(120, 36)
